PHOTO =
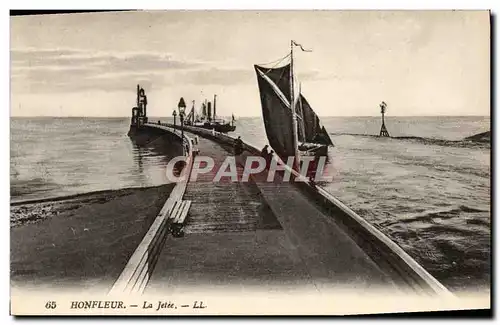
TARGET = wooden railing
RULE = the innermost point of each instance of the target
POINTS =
(137, 272)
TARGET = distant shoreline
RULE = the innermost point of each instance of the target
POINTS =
(480, 137)
(480, 140)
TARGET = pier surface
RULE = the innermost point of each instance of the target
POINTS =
(256, 234)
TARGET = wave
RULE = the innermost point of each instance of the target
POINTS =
(444, 214)
(442, 167)
(468, 142)
(430, 216)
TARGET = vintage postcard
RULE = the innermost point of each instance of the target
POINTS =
(250, 162)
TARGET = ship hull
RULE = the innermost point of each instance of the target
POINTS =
(222, 128)
(317, 151)
(225, 128)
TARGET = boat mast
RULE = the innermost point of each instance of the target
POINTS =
(294, 114)
(192, 114)
(215, 102)
(138, 101)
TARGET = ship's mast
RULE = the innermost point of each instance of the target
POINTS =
(138, 103)
(215, 102)
(294, 113)
(192, 114)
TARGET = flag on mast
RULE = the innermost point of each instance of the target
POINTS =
(301, 47)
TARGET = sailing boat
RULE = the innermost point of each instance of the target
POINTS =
(291, 129)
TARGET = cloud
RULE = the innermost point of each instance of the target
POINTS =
(21, 55)
(66, 70)
(228, 76)
(74, 70)
(114, 62)
(215, 76)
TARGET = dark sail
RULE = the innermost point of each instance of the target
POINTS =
(280, 76)
(325, 135)
(274, 86)
(275, 109)
(314, 131)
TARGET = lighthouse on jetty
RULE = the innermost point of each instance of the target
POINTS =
(139, 113)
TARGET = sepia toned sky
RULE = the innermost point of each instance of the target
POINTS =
(420, 63)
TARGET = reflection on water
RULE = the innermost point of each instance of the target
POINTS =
(141, 153)
(153, 150)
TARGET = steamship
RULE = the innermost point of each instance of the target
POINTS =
(207, 119)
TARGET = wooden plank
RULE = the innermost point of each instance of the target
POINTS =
(175, 211)
(179, 211)
(185, 209)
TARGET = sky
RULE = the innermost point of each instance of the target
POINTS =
(419, 62)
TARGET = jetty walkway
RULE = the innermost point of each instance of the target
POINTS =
(234, 236)
(271, 235)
